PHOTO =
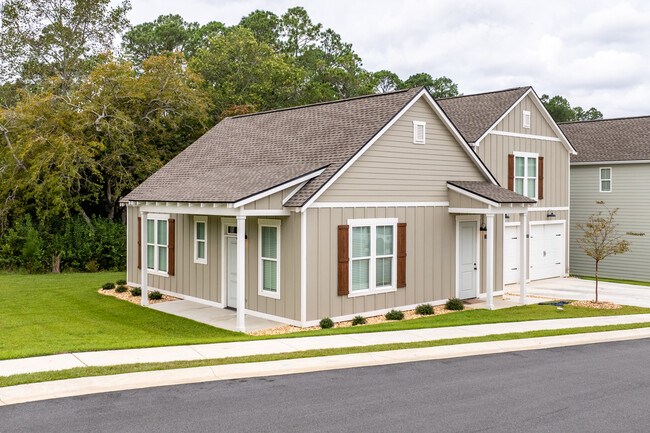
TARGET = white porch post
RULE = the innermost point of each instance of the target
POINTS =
(522, 257)
(241, 273)
(303, 267)
(144, 301)
(489, 263)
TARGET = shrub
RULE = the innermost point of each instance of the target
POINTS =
(121, 288)
(454, 304)
(136, 291)
(92, 266)
(108, 286)
(121, 282)
(326, 323)
(358, 320)
(155, 295)
(424, 309)
(394, 315)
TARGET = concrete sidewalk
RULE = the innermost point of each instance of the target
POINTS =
(259, 347)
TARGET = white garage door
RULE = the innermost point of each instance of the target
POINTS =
(546, 250)
(511, 255)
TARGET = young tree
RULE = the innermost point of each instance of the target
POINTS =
(601, 239)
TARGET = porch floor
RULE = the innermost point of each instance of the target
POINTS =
(213, 316)
(501, 302)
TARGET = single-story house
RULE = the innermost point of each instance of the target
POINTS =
(612, 166)
(355, 207)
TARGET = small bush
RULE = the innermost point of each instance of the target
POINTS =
(155, 295)
(121, 282)
(92, 266)
(121, 288)
(358, 320)
(394, 315)
(326, 323)
(424, 309)
(136, 291)
(108, 286)
(454, 304)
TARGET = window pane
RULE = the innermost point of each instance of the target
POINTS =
(606, 185)
(151, 226)
(360, 241)
(605, 174)
(519, 186)
(531, 188)
(200, 231)
(270, 242)
(384, 240)
(519, 166)
(360, 274)
(151, 259)
(162, 259)
(270, 276)
(384, 271)
(162, 232)
(200, 249)
(532, 167)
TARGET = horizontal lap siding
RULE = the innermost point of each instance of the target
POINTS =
(631, 194)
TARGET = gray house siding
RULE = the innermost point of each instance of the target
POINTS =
(631, 195)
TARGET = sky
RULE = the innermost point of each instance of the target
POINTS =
(594, 53)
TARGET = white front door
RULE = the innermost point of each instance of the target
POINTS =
(467, 266)
(231, 271)
(546, 250)
(511, 255)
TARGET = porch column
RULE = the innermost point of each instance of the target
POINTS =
(241, 273)
(522, 257)
(489, 263)
(144, 301)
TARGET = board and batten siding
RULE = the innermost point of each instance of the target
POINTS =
(513, 122)
(396, 169)
(631, 195)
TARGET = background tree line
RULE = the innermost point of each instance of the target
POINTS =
(83, 123)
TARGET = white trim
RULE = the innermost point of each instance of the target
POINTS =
(525, 120)
(225, 222)
(292, 193)
(417, 124)
(155, 217)
(278, 188)
(201, 219)
(632, 161)
(280, 319)
(503, 250)
(303, 267)
(600, 179)
(158, 216)
(442, 116)
(485, 211)
(260, 260)
(473, 195)
(182, 296)
(381, 204)
(527, 156)
(546, 209)
(470, 218)
(218, 210)
(519, 135)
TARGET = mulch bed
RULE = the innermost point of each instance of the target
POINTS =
(598, 305)
(127, 296)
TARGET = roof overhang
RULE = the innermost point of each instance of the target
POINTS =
(631, 161)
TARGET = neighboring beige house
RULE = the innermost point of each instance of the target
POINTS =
(355, 207)
(612, 166)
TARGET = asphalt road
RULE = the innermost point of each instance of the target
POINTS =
(596, 388)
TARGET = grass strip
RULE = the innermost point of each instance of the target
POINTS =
(613, 280)
(20, 379)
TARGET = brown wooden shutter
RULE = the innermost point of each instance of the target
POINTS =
(139, 243)
(540, 178)
(511, 172)
(171, 244)
(401, 255)
(344, 260)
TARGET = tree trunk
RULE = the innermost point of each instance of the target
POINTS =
(110, 200)
(56, 263)
(596, 281)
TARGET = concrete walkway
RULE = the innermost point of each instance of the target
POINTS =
(283, 345)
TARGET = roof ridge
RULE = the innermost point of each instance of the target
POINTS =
(605, 120)
(484, 93)
(316, 104)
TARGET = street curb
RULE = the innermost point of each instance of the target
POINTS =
(147, 379)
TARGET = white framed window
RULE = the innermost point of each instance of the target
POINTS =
(605, 179)
(269, 257)
(526, 174)
(157, 244)
(201, 240)
(419, 131)
(373, 256)
(526, 119)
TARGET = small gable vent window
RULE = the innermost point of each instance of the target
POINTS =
(526, 120)
(419, 129)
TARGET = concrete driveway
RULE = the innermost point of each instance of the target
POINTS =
(575, 288)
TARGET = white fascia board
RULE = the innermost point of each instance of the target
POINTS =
(518, 135)
(292, 193)
(512, 107)
(474, 196)
(632, 161)
(482, 211)
(380, 204)
(278, 188)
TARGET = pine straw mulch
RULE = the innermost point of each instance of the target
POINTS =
(127, 296)
(408, 315)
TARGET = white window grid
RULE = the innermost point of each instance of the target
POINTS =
(260, 265)
(197, 221)
(156, 246)
(601, 179)
(526, 156)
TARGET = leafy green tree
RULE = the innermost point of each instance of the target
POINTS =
(299, 33)
(441, 87)
(387, 81)
(266, 27)
(560, 110)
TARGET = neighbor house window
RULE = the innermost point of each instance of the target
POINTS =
(419, 130)
(372, 259)
(269, 258)
(157, 243)
(200, 240)
(526, 174)
(526, 119)
(605, 179)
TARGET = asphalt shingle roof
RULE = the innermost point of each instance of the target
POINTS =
(474, 114)
(244, 155)
(491, 191)
(623, 139)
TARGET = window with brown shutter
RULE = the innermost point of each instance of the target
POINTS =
(540, 178)
(139, 243)
(401, 255)
(344, 260)
(511, 172)
(171, 245)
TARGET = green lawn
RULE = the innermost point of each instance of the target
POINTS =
(614, 280)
